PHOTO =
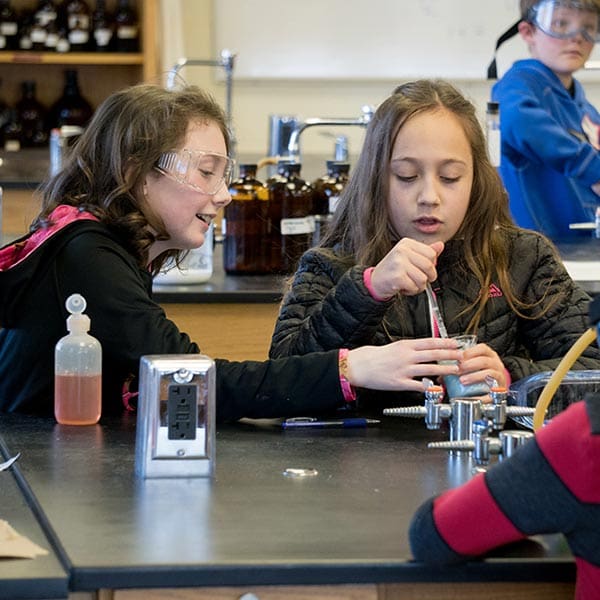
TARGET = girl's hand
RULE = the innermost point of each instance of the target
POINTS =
(406, 268)
(401, 365)
(478, 363)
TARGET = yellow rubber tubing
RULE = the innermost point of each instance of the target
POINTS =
(587, 337)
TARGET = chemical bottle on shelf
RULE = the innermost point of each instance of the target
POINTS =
(44, 18)
(77, 370)
(292, 196)
(9, 26)
(102, 28)
(79, 23)
(13, 133)
(327, 190)
(492, 128)
(71, 108)
(24, 34)
(126, 28)
(32, 116)
(62, 34)
(246, 225)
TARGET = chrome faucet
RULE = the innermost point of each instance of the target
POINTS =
(294, 143)
(226, 62)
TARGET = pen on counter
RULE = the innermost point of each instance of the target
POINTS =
(300, 422)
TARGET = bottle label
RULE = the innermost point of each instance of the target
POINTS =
(102, 37)
(51, 40)
(127, 32)
(25, 43)
(298, 225)
(12, 145)
(38, 36)
(78, 36)
(8, 28)
(63, 45)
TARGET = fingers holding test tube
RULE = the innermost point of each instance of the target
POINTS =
(401, 365)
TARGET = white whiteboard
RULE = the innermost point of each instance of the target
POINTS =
(365, 39)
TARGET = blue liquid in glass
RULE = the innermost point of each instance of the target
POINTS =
(455, 389)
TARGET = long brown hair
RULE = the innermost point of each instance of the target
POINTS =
(105, 170)
(361, 226)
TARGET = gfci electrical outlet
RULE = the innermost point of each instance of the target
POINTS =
(182, 412)
(176, 416)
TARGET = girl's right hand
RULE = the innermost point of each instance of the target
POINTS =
(401, 365)
(406, 268)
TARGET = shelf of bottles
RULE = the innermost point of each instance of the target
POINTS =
(91, 47)
(70, 31)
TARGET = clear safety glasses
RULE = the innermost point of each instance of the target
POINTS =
(204, 172)
(565, 20)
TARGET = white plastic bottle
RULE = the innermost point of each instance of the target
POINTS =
(77, 370)
(196, 267)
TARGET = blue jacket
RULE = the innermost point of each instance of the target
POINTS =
(547, 164)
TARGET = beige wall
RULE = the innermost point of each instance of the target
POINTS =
(253, 101)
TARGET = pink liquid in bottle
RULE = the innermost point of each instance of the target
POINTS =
(78, 399)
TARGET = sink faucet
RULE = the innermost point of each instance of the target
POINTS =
(226, 62)
(294, 143)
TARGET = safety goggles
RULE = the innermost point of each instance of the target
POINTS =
(565, 20)
(204, 172)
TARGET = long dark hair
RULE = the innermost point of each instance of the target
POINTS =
(361, 228)
(105, 170)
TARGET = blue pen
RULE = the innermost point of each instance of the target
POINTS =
(299, 422)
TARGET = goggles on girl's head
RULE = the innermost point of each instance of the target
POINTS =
(565, 19)
(204, 172)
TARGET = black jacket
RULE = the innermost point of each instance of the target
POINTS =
(329, 306)
(85, 257)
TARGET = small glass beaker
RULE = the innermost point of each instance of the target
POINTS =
(456, 389)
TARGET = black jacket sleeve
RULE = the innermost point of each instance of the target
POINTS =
(129, 324)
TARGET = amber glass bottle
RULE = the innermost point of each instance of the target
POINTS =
(79, 23)
(127, 35)
(32, 116)
(246, 225)
(9, 26)
(327, 190)
(71, 108)
(291, 198)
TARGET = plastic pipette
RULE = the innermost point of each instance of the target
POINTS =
(436, 311)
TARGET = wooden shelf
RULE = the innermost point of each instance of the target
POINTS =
(72, 58)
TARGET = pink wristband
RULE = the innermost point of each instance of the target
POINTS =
(367, 273)
(347, 389)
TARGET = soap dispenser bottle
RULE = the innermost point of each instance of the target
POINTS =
(77, 370)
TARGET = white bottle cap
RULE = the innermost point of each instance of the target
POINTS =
(77, 322)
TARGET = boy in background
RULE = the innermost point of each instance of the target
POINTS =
(550, 164)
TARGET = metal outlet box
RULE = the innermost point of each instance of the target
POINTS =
(175, 432)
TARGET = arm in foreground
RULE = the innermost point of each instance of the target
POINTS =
(550, 485)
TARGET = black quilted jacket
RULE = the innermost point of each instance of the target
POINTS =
(328, 307)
